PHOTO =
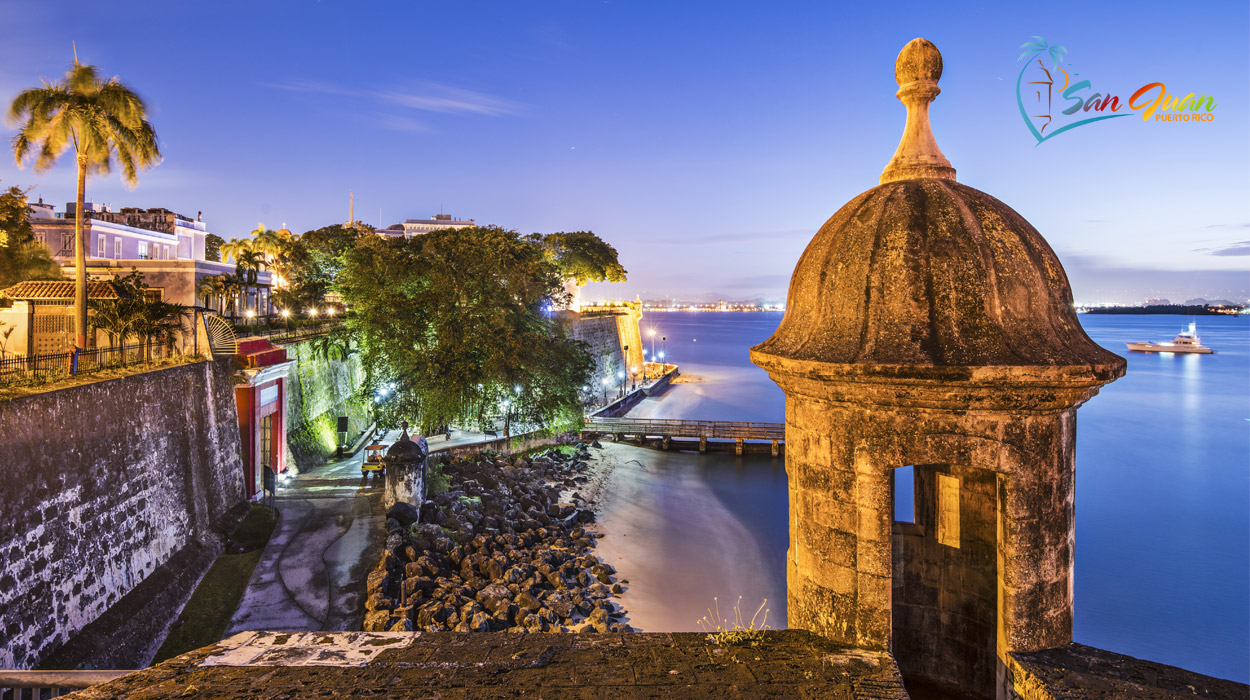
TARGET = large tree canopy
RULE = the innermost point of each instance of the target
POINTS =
(580, 256)
(21, 256)
(456, 326)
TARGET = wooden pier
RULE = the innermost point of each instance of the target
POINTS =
(710, 435)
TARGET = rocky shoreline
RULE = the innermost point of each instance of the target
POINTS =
(505, 548)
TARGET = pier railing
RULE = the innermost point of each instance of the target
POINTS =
(705, 429)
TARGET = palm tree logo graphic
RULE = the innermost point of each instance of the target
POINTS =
(1041, 93)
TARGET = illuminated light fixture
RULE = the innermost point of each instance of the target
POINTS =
(330, 310)
(312, 312)
(606, 381)
(286, 313)
(517, 389)
(249, 313)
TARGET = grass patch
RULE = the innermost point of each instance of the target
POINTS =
(204, 619)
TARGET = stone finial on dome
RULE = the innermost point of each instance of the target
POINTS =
(917, 70)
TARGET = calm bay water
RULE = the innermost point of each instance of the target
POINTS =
(1163, 479)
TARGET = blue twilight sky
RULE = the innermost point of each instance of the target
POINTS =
(706, 141)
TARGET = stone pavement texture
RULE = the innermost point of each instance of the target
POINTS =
(788, 664)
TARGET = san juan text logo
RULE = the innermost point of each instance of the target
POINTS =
(1054, 98)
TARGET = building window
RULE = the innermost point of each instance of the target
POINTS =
(117, 248)
(905, 495)
(100, 250)
(143, 250)
(948, 510)
(165, 251)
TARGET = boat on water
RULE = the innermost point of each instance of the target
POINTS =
(1187, 342)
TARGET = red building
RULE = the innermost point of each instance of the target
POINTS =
(261, 400)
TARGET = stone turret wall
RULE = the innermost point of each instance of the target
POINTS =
(945, 589)
(103, 483)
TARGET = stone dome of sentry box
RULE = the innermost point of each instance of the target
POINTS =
(925, 277)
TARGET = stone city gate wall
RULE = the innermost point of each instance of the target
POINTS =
(318, 391)
(102, 484)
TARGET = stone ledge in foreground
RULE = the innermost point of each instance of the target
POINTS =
(789, 663)
(1079, 672)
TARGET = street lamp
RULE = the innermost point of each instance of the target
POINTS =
(664, 351)
(644, 365)
(633, 375)
(606, 382)
(621, 390)
(507, 418)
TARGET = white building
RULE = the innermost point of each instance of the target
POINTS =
(416, 227)
(167, 247)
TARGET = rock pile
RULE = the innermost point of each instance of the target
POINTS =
(500, 550)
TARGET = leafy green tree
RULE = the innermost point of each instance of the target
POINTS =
(455, 326)
(212, 247)
(580, 256)
(21, 256)
(326, 248)
(102, 121)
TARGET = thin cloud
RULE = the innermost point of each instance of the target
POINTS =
(432, 97)
(752, 237)
(1238, 248)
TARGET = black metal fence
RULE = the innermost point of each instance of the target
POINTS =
(48, 366)
(282, 335)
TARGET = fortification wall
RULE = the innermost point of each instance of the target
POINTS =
(608, 332)
(319, 390)
(102, 484)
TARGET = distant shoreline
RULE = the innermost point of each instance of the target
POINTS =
(1166, 309)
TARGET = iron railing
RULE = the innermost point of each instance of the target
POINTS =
(710, 429)
(283, 335)
(57, 364)
(36, 685)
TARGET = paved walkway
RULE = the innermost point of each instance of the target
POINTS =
(330, 533)
(312, 574)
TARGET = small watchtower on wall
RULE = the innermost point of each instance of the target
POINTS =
(930, 326)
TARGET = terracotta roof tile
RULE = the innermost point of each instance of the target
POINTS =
(57, 289)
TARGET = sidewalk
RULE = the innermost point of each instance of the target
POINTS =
(312, 573)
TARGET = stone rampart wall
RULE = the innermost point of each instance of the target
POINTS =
(319, 390)
(102, 484)
(602, 334)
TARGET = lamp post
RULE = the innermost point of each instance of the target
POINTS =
(651, 332)
(644, 364)
(664, 351)
(620, 391)
(606, 382)
(507, 418)
(633, 376)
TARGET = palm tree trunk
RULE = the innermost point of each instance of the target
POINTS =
(80, 260)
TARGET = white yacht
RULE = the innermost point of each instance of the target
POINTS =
(1187, 341)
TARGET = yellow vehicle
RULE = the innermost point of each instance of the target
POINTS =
(373, 460)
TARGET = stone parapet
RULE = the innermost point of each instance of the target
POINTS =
(785, 664)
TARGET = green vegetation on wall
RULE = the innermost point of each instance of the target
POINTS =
(319, 390)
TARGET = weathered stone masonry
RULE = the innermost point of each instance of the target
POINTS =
(101, 484)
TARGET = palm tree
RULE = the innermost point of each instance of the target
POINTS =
(275, 245)
(158, 320)
(211, 287)
(232, 287)
(1041, 46)
(247, 266)
(101, 120)
(117, 318)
